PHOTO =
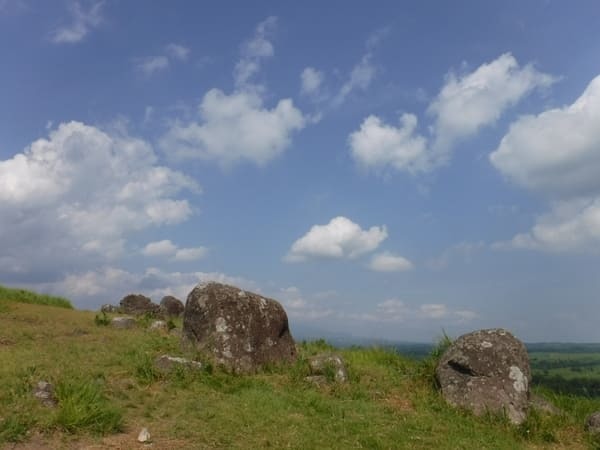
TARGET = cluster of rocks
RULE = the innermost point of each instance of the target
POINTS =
(140, 305)
(486, 371)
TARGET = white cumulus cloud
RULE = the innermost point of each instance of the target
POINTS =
(556, 152)
(467, 103)
(340, 238)
(377, 145)
(464, 105)
(235, 128)
(73, 198)
(388, 262)
(571, 225)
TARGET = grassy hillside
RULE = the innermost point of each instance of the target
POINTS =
(108, 390)
(24, 296)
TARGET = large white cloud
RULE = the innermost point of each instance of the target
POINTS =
(467, 103)
(463, 106)
(235, 128)
(77, 195)
(558, 151)
(572, 225)
(557, 154)
(340, 238)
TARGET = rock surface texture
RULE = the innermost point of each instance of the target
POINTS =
(44, 392)
(123, 322)
(138, 305)
(241, 330)
(322, 365)
(592, 423)
(171, 306)
(487, 370)
(166, 363)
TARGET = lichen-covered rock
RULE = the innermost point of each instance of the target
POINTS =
(171, 306)
(166, 363)
(241, 330)
(592, 423)
(138, 305)
(329, 363)
(487, 371)
(44, 392)
(144, 436)
(107, 308)
(160, 326)
(123, 322)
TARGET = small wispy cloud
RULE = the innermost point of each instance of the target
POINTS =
(177, 51)
(152, 64)
(258, 48)
(149, 65)
(82, 22)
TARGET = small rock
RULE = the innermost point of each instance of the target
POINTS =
(107, 308)
(540, 404)
(321, 363)
(123, 322)
(592, 423)
(144, 436)
(44, 392)
(166, 363)
(159, 325)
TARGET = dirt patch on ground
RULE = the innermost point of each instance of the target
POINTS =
(6, 341)
(121, 441)
(399, 402)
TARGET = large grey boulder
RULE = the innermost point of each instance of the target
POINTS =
(138, 305)
(242, 331)
(171, 306)
(487, 371)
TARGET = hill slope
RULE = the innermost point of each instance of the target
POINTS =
(108, 390)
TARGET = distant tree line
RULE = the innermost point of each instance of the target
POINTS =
(549, 364)
(585, 387)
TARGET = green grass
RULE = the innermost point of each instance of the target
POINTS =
(108, 389)
(25, 296)
(82, 406)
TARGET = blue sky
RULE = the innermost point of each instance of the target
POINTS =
(389, 170)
